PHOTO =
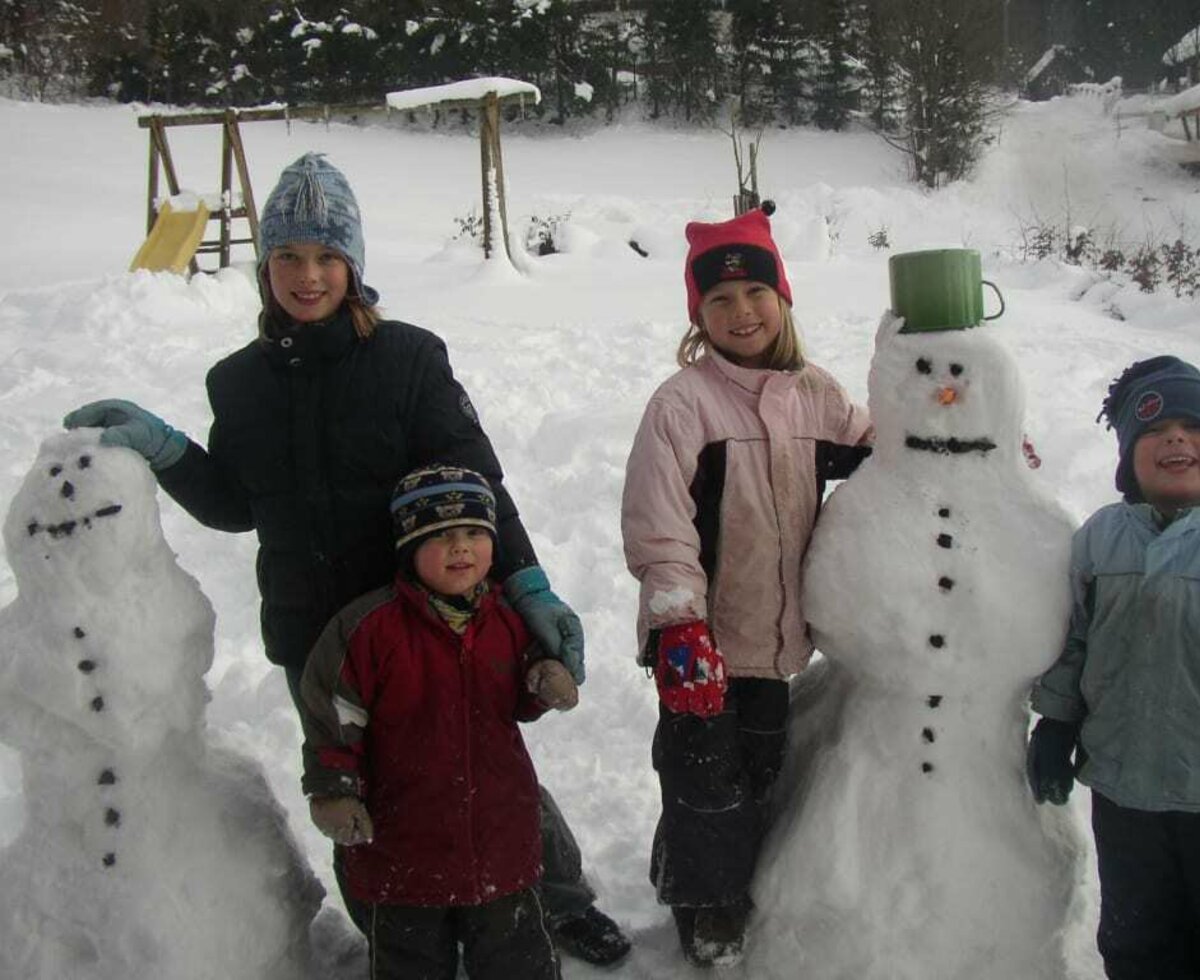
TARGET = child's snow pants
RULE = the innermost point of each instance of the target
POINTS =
(501, 940)
(1149, 891)
(716, 775)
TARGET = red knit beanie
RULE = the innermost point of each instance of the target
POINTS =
(738, 249)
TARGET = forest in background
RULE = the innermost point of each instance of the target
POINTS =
(920, 71)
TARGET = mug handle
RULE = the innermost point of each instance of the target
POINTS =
(999, 296)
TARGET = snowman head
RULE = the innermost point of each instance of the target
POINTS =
(944, 395)
(84, 519)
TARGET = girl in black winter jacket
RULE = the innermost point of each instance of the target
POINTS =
(314, 422)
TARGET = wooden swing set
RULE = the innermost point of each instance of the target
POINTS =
(175, 235)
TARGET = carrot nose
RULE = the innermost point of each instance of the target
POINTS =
(947, 396)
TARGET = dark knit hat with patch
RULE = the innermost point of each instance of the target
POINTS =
(741, 248)
(313, 203)
(1159, 388)
(434, 498)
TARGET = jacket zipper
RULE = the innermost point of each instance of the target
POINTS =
(465, 646)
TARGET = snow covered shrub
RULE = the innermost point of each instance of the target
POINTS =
(1079, 246)
(1112, 259)
(1042, 242)
(470, 226)
(878, 239)
(1181, 265)
(542, 235)
(1145, 268)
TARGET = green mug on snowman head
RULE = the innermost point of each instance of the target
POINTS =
(939, 289)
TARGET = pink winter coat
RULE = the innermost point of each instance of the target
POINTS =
(721, 493)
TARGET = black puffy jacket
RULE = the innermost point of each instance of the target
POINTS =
(312, 428)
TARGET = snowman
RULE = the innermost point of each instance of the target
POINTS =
(145, 851)
(936, 587)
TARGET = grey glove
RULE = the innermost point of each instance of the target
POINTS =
(130, 425)
(552, 684)
(343, 819)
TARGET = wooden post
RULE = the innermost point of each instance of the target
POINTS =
(152, 184)
(239, 158)
(492, 165)
(160, 152)
(226, 190)
(485, 168)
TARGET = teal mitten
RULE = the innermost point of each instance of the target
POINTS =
(130, 425)
(551, 621)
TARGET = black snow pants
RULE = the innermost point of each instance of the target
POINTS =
(716, 776)
(1149, 891)
(564, 889)
(501, 940)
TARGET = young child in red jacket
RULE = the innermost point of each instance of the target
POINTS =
(413, 759)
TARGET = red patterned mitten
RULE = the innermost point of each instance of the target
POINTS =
(690, 671)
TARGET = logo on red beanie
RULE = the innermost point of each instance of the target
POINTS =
(1148, 406)
(741, 248)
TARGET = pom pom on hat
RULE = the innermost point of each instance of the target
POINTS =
(741, 248)
(313, 202)
(1158, 388)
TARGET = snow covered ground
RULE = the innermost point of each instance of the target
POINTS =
(560, 359)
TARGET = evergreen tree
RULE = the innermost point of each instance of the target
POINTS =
(681, 45)
(46, 42)
(944, 51)
(608, 56)
(833, 94)
(751, 22)
(787, 65)
(879, 97)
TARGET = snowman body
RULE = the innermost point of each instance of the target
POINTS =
(145, 851)
(936, 586)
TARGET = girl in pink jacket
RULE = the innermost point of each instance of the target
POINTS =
(721, 493)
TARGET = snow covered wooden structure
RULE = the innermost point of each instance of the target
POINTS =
(225, 206)
(1053, 74)
(485, 95)
(1184, 56)
(1184, 108)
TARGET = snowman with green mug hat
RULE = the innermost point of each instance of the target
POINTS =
(936, 587)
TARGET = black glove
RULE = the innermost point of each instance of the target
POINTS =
(1048, 764)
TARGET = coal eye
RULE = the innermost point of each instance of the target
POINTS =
(85, 462)
(924, 366)
(956, 369)
(55, 470)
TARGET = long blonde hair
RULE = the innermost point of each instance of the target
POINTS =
(786, 354)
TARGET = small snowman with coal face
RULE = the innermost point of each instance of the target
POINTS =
(145, 850)
(936, 586)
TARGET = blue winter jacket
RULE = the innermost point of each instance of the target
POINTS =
(1130, 667)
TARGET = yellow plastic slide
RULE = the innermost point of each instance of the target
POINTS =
(173, 240)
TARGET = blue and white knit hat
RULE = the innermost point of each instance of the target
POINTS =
(434, 498)
(313, 202)
(1158, 388)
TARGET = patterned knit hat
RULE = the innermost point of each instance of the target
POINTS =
(1159, 388)
(313, 202)
(434, 498)
(738, 249)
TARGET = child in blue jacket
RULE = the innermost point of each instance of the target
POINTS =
(1124, 695)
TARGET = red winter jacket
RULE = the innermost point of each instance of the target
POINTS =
(420, 723)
